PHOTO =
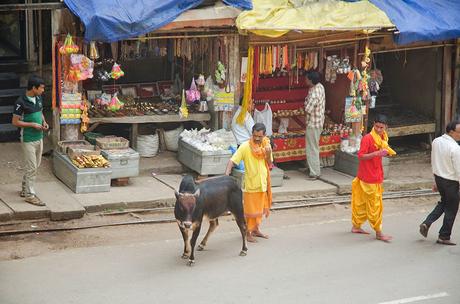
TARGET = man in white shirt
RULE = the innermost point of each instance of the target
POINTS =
(242, 132)
(445, 162)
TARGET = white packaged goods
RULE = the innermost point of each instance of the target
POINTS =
(205, 140)
(148, 145)
(172, 139)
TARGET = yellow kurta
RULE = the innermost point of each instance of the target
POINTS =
(366, 204)
(255, 196)
(255, 170)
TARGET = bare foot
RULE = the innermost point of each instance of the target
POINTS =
(358, 230)
(381, 237)
(260, 234)
(250, 238)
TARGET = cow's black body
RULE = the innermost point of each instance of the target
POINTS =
(209, 198)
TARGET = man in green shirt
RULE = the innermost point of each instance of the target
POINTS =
(28, 115)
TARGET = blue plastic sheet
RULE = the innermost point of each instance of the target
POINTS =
(422, 20)
(109, 21)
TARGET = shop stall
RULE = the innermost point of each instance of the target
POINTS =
(279, 90)
(181, 76)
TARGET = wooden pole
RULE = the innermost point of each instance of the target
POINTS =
(40, 42)
(446, 86)
(455, 95)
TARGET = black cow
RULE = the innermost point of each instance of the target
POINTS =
(208, 198)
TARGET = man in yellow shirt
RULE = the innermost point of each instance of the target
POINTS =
(257, 195)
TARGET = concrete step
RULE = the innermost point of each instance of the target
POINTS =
(9, 194)
(297, 184)
(341, 180)
(58, 198)
(6, 213)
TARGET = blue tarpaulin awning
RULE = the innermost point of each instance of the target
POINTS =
(109, 21)
(422, 20)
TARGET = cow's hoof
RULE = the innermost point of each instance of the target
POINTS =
(243, 253)
(185, 256)
(191, 263)
(200, 247)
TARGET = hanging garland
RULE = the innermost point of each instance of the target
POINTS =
(247, 96)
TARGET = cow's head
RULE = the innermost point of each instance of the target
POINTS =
(186, 203)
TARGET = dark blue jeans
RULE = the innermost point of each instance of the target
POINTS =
(448, 205)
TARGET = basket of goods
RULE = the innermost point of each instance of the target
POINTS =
(65, 144)
(91, 137)
(87, 150)
(112, 142)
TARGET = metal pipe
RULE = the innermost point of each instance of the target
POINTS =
(411, 48)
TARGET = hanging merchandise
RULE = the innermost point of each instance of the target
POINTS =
(344, 66)
(266, 117)
(334, 66)
(69, 46)
(224, 101)
(183, 112)
(209, 89)
(93, 52)
(116, 72)
(193, 93)
(353, 109)
(73, 75)
(247, 95)
(284, 125)
(363, 85)
(84, 117)
(375, 80)
(200, 81)
(82, 67)
(115, 104)
(220, 74)
(102, 75)
(203, 106)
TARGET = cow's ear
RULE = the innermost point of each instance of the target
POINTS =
(197, 193)
(176, 194)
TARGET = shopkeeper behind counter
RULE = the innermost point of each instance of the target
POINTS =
(242, 132)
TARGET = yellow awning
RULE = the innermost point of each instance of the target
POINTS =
(274, 18)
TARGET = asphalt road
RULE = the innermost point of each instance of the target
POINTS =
(310, 258)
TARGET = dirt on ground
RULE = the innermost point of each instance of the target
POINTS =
(39, 243)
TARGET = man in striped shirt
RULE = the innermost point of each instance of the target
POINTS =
(315, 103)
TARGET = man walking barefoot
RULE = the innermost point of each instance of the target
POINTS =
(366, 188)
(257, 195)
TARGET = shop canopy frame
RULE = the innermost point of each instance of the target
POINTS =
(410, 21)
(107, 21)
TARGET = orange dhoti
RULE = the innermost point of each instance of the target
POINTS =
(256, 204)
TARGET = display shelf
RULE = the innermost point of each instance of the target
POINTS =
(151, 118)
